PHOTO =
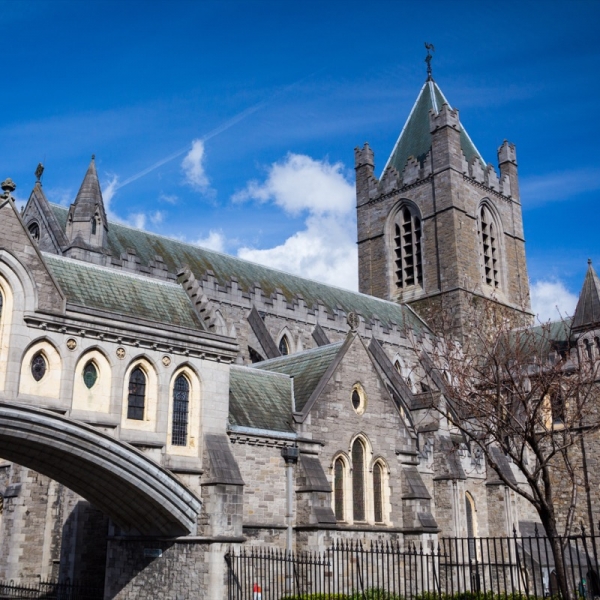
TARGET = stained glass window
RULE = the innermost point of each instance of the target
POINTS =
(338, 489)
(358, 480)
(378, 492)
(137, 395)
(38, 366)
(284, 346)
(90, 375)
(407, 242)
(181, 397)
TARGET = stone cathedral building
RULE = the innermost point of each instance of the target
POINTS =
(170, 400)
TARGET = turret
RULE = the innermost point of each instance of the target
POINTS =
(507, 161)
(364, 164)
(87, 225)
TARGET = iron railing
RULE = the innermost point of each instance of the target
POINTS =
(50, 590)
(383, 570)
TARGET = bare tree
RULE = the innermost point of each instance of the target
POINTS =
(526, 393)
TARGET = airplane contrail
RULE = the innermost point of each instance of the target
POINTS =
(214, 132)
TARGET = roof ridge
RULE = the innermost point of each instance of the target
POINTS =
(244, 260)
(120, 272)
(248, 369)
(303, 353)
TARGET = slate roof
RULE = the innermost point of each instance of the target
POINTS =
(176, 254)
(415, 138)
(116, 291)
(260, 400)
(307, 368)
(587, 313)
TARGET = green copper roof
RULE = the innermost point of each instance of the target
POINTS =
(415, 138)
(176, 254)
(260, 399)
(307, 368)
(119, 292)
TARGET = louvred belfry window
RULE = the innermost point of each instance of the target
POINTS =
(407, 249)
(488, 238)
(136, 399)
(358, 480)
(181, 398)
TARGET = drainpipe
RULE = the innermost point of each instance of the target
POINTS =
(290, 456)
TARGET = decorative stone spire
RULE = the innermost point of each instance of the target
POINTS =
(428, 60)
(8, 187)
(587, 313)
(87, 217)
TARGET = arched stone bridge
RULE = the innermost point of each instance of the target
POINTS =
(134, 491)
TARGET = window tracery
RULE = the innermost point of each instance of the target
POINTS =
(181, 398)
(136, 399)
(488, 240)
(407, 248)
(39, 366)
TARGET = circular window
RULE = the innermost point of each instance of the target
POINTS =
(358, 398)
(38, 366)
(90, 375)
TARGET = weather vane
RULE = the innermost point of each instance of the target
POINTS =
(428, 60)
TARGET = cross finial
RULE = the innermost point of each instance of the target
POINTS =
(39, 171)
(589, 261)
(428, 58)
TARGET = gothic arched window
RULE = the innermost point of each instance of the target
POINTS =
(588, 349)
(378, 492)
(338, 489)
(34, 231)
(358, 480)
(471, 529)
(284, 346)
(490, 254)
(136, 400)
(181, 401)
(407, 248)
(93, 225)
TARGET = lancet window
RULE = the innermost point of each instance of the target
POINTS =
(284, 346)
(181, 401)
(470, 515)
(378, 492)
(490, 255)
(358, 480)
(136, 399)
(407, 248)
(339, 473)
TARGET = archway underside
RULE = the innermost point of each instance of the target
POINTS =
(136, 493)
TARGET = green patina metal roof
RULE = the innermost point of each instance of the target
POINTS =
(260, 399)
(415, 138)
(176, 254)
(119, 292)
(307, 368)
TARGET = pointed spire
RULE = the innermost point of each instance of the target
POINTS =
(89, 197)
(587, 313)
(415, 137)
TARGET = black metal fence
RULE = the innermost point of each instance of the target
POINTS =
(355, 570)
(51, 590)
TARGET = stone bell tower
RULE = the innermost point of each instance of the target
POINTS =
(440, 229)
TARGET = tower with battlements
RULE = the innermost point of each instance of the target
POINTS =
(441, 229)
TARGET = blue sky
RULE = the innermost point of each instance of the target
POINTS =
(259, 106)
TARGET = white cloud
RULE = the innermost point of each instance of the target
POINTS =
(168, 198)
(108, 191)
(137, 220)
(193, 167)
(326, 248)
(551, 299)
(537, 190)
(157, 217)
(215, 240)
(301, 183)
